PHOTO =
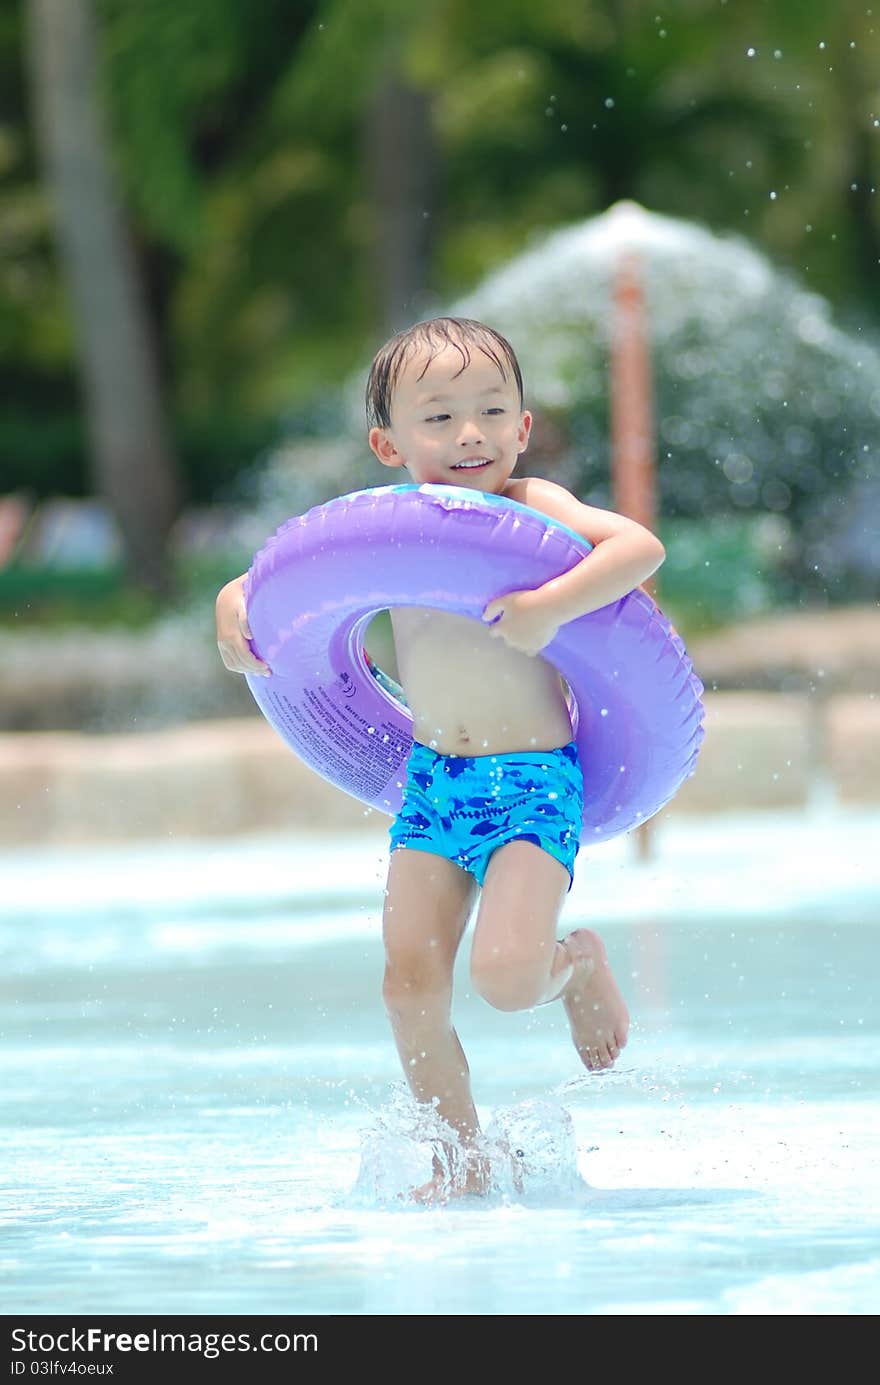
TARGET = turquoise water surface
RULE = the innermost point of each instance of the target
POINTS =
(202, 1110)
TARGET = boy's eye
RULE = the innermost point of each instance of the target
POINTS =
(444, 418)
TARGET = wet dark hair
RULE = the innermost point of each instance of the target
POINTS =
(436, 333)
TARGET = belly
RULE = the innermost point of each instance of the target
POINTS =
(470, 693)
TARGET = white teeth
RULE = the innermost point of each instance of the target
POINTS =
(464, 466)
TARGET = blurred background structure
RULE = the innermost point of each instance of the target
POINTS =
(213, 213)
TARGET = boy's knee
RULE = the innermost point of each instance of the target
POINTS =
(414, 986)
(507, 983)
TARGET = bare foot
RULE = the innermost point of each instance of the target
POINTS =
(596, 1010)
(474, 1179)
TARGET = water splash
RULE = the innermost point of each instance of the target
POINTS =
(761, 398)
(535, 1144)
(399, 1149)
(530, 1151)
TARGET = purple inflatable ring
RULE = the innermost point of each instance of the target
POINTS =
(314, 587)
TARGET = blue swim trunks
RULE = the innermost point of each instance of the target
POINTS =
(464, 807)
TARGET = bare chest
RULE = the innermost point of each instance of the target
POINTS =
(470, 692)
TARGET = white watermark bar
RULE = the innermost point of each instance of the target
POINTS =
(134, 1349)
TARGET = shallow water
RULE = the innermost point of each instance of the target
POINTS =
(202, 1111)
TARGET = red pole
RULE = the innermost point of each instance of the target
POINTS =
(632, 417)
(633, 480)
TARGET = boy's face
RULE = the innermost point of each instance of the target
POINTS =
(452, 426)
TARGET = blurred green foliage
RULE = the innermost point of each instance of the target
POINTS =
(48, 456)
(718, 572)
(47, 596)
(241, 133)
(713, 574)
(36, 594)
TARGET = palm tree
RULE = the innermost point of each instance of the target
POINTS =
(134, 466)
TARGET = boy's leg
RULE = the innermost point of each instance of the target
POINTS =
(517, 962)
(428, 902)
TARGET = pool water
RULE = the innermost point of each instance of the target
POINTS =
(202, 1110)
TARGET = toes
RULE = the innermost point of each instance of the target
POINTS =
(595, 1058)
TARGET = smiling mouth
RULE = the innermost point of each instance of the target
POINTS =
(472, 464)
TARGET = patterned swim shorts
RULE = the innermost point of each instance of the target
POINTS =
(464, 807)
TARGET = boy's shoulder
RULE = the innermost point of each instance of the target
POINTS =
(557, 502)
(536, 491)
(546, 496)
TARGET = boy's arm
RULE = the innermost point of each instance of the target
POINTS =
(624, 555)
(233, 631)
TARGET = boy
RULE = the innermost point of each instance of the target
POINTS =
(491, 724)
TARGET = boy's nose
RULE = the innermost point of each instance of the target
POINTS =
(470, 432)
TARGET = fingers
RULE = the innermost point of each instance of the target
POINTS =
(239, 659)
(234, 632)
(254, 665)
(518, 645)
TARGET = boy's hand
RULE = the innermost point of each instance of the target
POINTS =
(525, 622)
(233, 631)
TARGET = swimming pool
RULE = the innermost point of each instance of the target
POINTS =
(202, 1110)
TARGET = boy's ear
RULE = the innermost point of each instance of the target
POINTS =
(525, 428)
(380, 443)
